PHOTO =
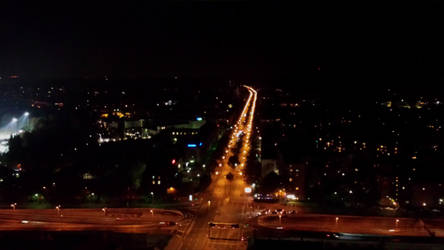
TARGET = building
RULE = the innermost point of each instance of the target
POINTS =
(268, 166)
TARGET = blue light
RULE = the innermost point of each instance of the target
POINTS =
(198, 118)
(200, 144)
(191, 145)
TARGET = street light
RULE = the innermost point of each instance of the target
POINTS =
(26, 114)
(58, 207)
(14, 120)
(13, 205)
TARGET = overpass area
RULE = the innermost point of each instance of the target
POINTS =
(362, 225)
(227, 201)
(123, 220)
(348, 232)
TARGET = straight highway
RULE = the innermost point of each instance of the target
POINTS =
(224, 200)
(132, 220)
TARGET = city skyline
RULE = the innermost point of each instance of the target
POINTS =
(221, 124)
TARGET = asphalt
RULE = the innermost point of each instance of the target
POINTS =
(130, 220)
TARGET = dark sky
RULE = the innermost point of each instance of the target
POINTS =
(230, 39)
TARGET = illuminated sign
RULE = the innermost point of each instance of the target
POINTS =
(194, 145)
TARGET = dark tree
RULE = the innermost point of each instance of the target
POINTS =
(229, 176)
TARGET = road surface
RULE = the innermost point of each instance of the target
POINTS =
(370, 225)
(134, 220)
(224, 200)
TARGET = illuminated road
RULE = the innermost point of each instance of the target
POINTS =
(229, 203)
(135, 220)
(370, 225)
(224, 200)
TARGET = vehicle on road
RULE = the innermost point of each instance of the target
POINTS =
(225, 231)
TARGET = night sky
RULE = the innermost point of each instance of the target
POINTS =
(229, 39)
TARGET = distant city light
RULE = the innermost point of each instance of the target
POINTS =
(291, 197)
(247, 190)
(192, 145)
(171, 190)
(199, 118)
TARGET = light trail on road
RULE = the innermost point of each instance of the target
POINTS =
(227, 201)
(245, 150)
(133, 220)
(244, 125)
(356, 225)
(223, 201)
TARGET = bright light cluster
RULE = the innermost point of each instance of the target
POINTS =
(14, 127)
(243, 127)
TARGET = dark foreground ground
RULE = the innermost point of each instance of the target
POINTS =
(36, 240)
(341, 245)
